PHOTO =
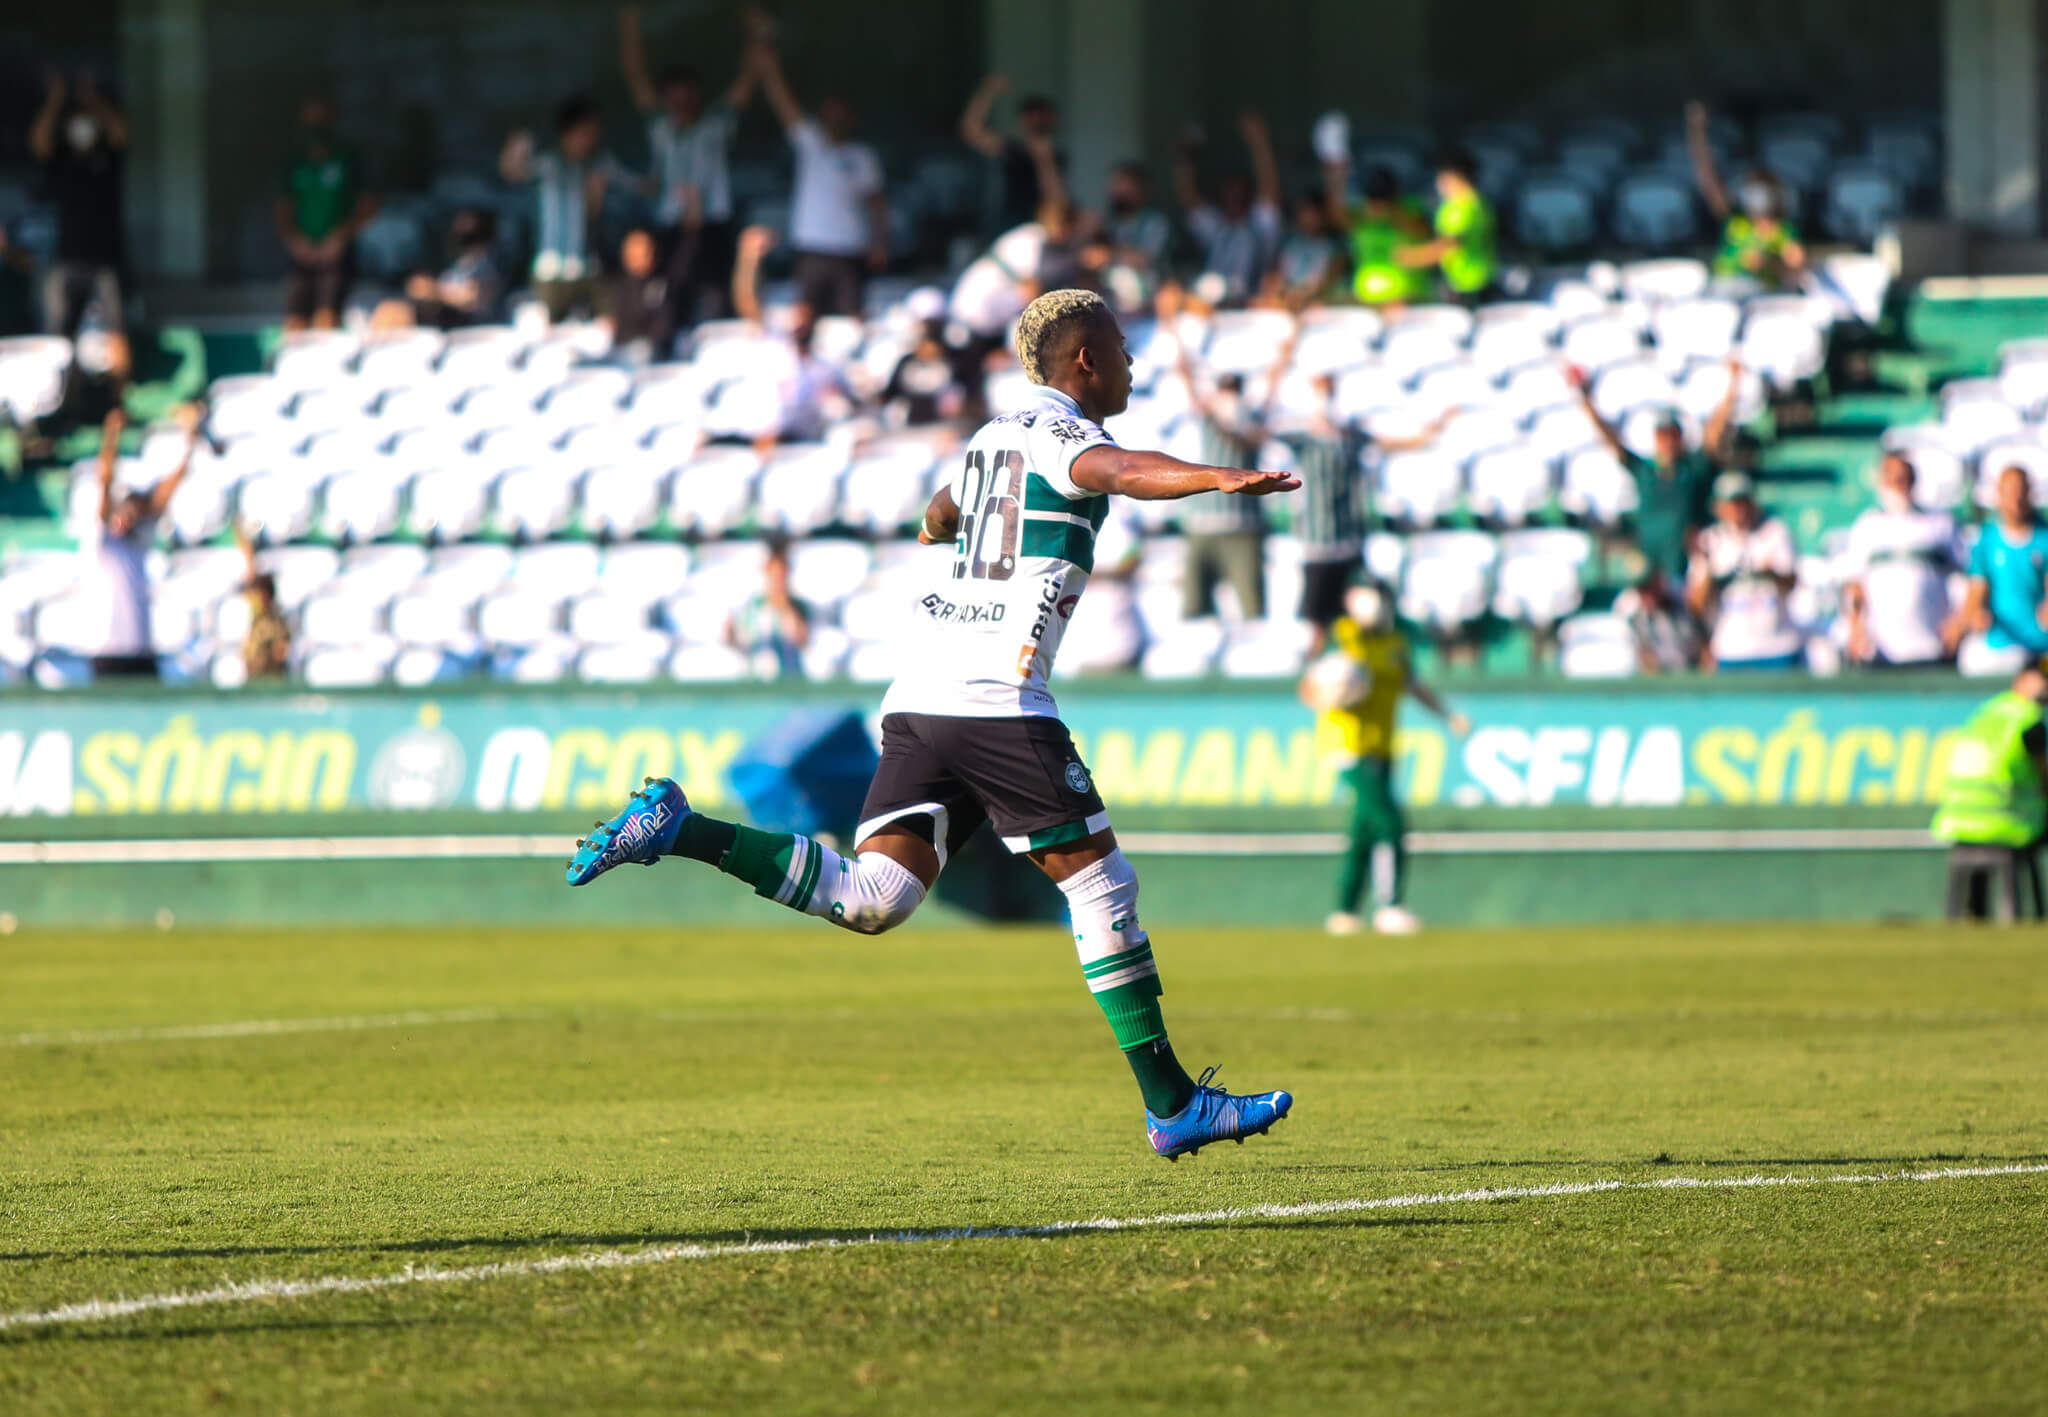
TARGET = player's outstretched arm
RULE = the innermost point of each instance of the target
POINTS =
(1156, 477)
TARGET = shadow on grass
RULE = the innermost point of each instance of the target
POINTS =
(231, 1330)
(927, 1234)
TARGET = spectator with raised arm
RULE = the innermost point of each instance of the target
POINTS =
(1226, 535)
(114, 550)
(1465, 251)
(1757, 240)
(1240, 231)
(81, 141)
(1741, 581)
(838, 217)
(1377, 229)
(1674, 482)
(691, 141)
(325, 204)
(1307, 269)
(1023, 190)
(569, 184)
(1900, 558)
(810, 392)
(267, 643)
(1016, 269)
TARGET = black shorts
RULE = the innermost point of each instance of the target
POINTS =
(831, 284)
(309, 290)
(1323, 584)
(1022, 775)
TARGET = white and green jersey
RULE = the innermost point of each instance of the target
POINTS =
(985, 632)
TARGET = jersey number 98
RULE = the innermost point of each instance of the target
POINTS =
(991, 516)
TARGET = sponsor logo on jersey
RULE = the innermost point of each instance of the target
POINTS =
(1066, 606)
(1074, 430)
(1048, 606)
(953, 612)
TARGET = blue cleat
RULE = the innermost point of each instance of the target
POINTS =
(642, 832)
(1214, 1115)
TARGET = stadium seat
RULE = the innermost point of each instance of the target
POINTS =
(1704, 385)
(1783, 348)
(1992, 462)
(874, 662)
(344, 613)
(534, 503)
(877, 613)
(364, 505)
(342, 666)
(1861, 198)
(1408, 352)
(1266, 649)
(637, 659)
(1367, 390)
(425, 404)
(890, 484)
(451, 503)
(644, 571)
(598, 618)
(1558, 432)
(1664, 280)
(278, 506)
(1974, 413)
(1418, 488)
(1625, 386)
(798, 488)
(1539, 577)
(299, 571)
(479, 355)
(714, 492)
(508, 404)
(433, 612)
(314, 359)
(1499, 348)
(546, 661)
(519, 615)
(1509, 484)
(1597, 646)
(624, 500)
(1555, 212)
(614, 441)
(1536, 388)
(344, 403)
(246, 404)
(565, 568)
(1940, 478)
(707, 663)
(825, 656)
(1596, 488)
(824, 572)
(1447, 579)
(1246, 341)
(1908, 148)
(1593, 344)
(1450, 386)
(1188, 649)
(586, 396)
(437, 446)
(399, 358)
(1794, 152)
(1654, 210)
(1477, 430)
(1695, 329)
(472, 569)
(420, 665)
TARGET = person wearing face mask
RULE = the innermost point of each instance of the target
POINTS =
(1138, 230)
(1355, 716)
(323, 207)
(1900, 557)
(1757, 240)
(81, 140)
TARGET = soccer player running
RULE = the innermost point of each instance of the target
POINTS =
(1360, 730)
(970, 731)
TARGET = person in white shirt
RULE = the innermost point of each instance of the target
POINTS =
(113, 553)
(838, 218)
(811, 394)
(690, 141)
(1741, 581)
(1239, 232)
(1900, 558)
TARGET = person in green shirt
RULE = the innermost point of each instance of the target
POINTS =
(1377, 230)
(1757, 240)
(1675, 483)
(1466, 251)
(323, 206)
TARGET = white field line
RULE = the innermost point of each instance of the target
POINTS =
(265, 1027)
(94, 1310)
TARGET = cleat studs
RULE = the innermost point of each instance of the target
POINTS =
(580, 843)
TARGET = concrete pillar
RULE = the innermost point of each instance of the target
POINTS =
(1105, 108)
(1993, 73)
(163, 63)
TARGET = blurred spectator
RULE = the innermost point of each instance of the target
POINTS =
(636, 303)
(1378, 229)
(1741, 582)
(811, 393)
(1667, 637)
(1900, 557)
(1023, 188)
(691, 143)
(468, 292)
(114, 549)
(1756, 241)
(1672, 484)
(1240, 231)
(926, 385)
(1020, 265)
(1226, 536)
(1465, 250)
(2008, 577)
(1307, 269)
(81, 140)
(324, 204)
(267, 644)
(17, 303)
(1108, 636)
(773, 625)
(838, 217)
(1139, 234)
(569, 185)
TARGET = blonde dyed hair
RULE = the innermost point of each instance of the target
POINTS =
(1050, 317)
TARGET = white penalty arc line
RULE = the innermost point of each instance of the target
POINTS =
(97, 1310)
(266, 1027)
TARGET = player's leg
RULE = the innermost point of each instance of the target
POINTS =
(1388, 855)
(1355, 873)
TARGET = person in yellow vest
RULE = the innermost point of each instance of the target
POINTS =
(1377, 230)
(1996, 790)
(1356, 692)
(1757, 240)
(1466, 251)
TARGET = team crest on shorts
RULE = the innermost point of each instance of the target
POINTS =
(1077, 778)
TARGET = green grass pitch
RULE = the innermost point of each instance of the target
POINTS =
(552, 1094)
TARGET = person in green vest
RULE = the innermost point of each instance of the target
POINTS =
(1466, 251)
(1996, 790)
(1377, 230)
(1757, 240)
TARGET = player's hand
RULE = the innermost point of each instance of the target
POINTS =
(1696, 116)
(1252, 124)
(1460, 725)
(756, 242)
(1576, 377)
(1251, 482)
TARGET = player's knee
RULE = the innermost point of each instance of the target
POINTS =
(881, 895)
(1110, 886)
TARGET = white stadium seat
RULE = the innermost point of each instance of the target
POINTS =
(707, 663)
(1419, 487)
(278, 506)
(394, 360)
(1448, 578)
(1861, 199)
(889, 485)
(1539, 578)
(1665, 280)
(363, 663)
(245, 404)
(637, 659)
(1509, 484)
(364, 505)
(1499, 348)
(1266, 649)
(597, 618)
(645, 571)
(342, 614)
(451, 503)
(1596, 487)
(1597, 647)
(622, 500)
(567, 568)
(824, 572)
(519, 615)
(1593, 344)
(1187, 650)
(473, 569)
(1453, 386)
(433, 612)
(2022, 453)
(1409, 350)
(534, 503)
(798, 490)
(1695, 329)
(714, 492)
(312, 359)
(1476, 431)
